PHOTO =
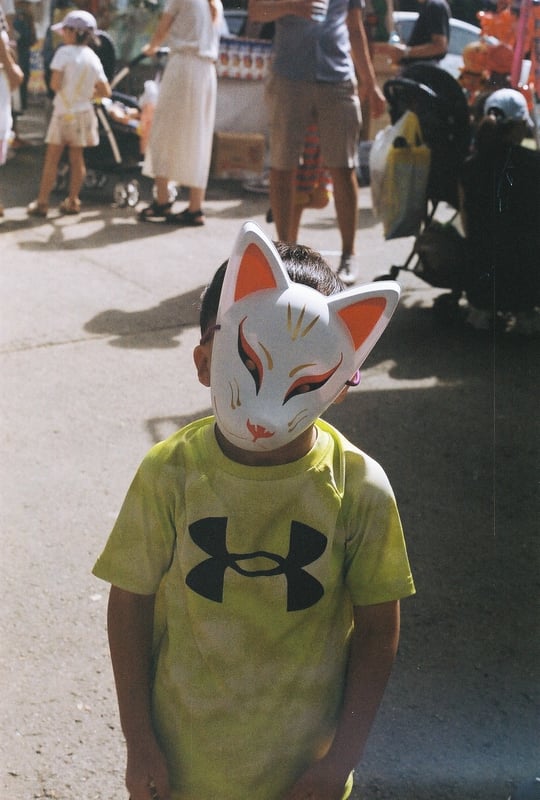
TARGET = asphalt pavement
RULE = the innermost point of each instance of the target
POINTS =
(99, 319)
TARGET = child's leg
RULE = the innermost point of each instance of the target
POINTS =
(50, 169)
(77, 174)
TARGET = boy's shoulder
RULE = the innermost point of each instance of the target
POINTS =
(354, 469)
(184, 450)
(185, 434)
(189, 437)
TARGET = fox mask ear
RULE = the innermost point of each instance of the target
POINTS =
(365, 312)
(255, 265)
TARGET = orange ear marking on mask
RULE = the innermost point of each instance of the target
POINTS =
(360, 318)
(254, 273)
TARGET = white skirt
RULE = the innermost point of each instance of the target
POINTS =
(180, 145)
(5, 107)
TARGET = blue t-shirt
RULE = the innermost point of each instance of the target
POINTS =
(315, 51)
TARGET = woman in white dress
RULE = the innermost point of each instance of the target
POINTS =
(180, 144)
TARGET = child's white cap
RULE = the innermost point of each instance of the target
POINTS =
(78, 20)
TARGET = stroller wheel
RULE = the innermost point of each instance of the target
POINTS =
(91, 179)
(62, 178)
(172, 190)
(123, 194)
(133, 192)
(120, 195)
(126, 194)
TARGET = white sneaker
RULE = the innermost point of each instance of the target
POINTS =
(346, 271)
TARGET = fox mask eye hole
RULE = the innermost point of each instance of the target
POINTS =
(249, 358)
(309, 383)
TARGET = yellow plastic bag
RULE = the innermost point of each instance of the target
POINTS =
(399, 171)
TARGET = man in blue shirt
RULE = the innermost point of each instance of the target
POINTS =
(320, 46)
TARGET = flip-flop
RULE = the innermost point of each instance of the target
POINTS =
(36, 209)
(68, 206)
(155, 212)
(187, 218)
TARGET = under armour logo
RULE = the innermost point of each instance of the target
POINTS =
(305, 546)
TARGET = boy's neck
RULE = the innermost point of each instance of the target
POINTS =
(293, 451)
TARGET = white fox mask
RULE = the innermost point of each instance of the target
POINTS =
(282, 351)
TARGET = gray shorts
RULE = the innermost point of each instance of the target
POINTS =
(79, 129)
(293, 105)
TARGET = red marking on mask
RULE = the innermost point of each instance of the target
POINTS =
(258, 431)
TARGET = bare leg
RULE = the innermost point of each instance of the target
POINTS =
(196, 199)
(295, 222)
(282, 191)
(162, 190)
(77, 174)
(317, 199)
(48, 175)
(346, 200)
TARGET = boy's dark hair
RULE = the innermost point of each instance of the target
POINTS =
(303, 265)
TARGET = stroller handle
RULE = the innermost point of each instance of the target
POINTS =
(163, 51)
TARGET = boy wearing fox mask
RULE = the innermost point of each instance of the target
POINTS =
(258, 560)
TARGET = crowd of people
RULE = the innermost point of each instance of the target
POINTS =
(322, 83)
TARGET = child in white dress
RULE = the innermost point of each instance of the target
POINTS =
(77, 77)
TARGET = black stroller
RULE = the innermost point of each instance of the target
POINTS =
(118, 154)
(440, 105)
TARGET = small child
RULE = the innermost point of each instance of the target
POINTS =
(77, 76)
(258, 560)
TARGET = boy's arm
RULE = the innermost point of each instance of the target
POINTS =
(363, 63)
(438, 46)
(130, 627)
(372, 651)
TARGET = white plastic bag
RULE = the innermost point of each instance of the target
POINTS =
(399, 170)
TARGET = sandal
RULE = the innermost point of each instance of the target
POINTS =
(68, 206)
(187, 218)
(155, 212)
(35, 209)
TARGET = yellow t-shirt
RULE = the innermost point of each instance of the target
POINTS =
(256, 571)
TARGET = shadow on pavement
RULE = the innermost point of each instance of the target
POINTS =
(154, 327)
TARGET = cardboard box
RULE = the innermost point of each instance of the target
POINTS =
(237, 155)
